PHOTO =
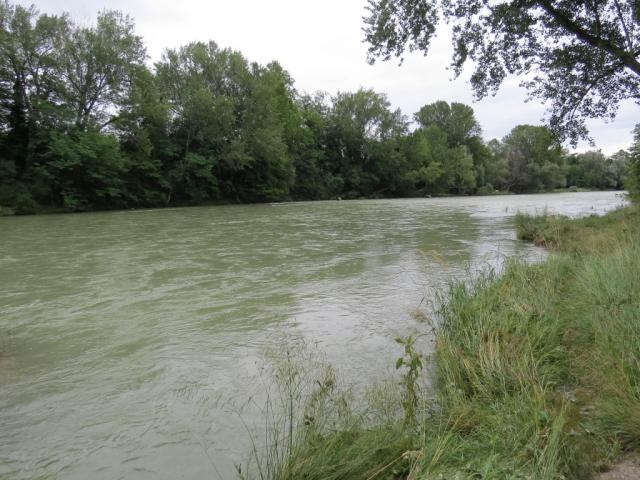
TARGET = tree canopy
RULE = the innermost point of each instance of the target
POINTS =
(633, 178)
(86, 124)
(581, 58)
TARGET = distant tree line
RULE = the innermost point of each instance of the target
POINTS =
(85, 124)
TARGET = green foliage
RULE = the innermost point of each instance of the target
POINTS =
(535, 160)
(580, 58)
(542, 230)
(15, 197)
(633, 179)
(85, 124)
(98, 64)
(595, 171)
(457, 120)
(362, 136)
(462, 177)
(85, 170)
(590, 234)
(412, 362)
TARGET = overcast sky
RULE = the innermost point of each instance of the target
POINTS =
(320, 44)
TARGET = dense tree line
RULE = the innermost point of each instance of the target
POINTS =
(86, 124)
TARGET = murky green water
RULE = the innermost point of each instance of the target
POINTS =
(125, 337)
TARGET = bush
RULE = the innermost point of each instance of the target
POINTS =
(6, 211)
(17, 197)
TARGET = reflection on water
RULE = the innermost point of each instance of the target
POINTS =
(121, 333)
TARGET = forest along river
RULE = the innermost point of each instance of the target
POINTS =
(126, 338)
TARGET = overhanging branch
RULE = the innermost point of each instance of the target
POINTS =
(626, 57)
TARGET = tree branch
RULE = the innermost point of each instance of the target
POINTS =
(608, 46)
(624, 25)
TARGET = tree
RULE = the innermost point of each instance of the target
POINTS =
(424, 164)
(142, 127)
(457, 120)
(313, 176)
(98, 64)
(581, 57)
(30, 58)
(534, 158)
(269, 124)
(86, 170)
(359, 124)
(496, 169)
(231, 123)
(30, 102)
(482, 159)
(461, 174)
(619, 165)
(633, 177)
(85, 124)
(594, 170)
(206, 90)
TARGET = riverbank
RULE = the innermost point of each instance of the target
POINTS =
(10, 212)
(537, 373)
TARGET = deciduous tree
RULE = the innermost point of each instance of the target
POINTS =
(582, 58)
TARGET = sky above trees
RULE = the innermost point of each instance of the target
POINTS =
(320, 44)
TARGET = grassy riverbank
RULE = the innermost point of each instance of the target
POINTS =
(536, 374)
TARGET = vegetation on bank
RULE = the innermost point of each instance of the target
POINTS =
(85, 124)
(536, 374)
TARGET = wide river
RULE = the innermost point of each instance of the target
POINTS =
(128, 339)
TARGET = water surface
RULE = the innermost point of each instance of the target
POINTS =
(122, 333)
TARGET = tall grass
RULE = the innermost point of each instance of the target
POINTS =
(536, 374)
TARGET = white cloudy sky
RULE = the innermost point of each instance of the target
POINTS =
(320, 44)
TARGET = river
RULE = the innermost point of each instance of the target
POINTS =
(127, 339)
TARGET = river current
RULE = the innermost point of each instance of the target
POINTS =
(128, 339)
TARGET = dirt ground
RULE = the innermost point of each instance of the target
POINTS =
(627, 469)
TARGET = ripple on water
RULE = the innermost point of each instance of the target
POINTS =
(133, 343)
